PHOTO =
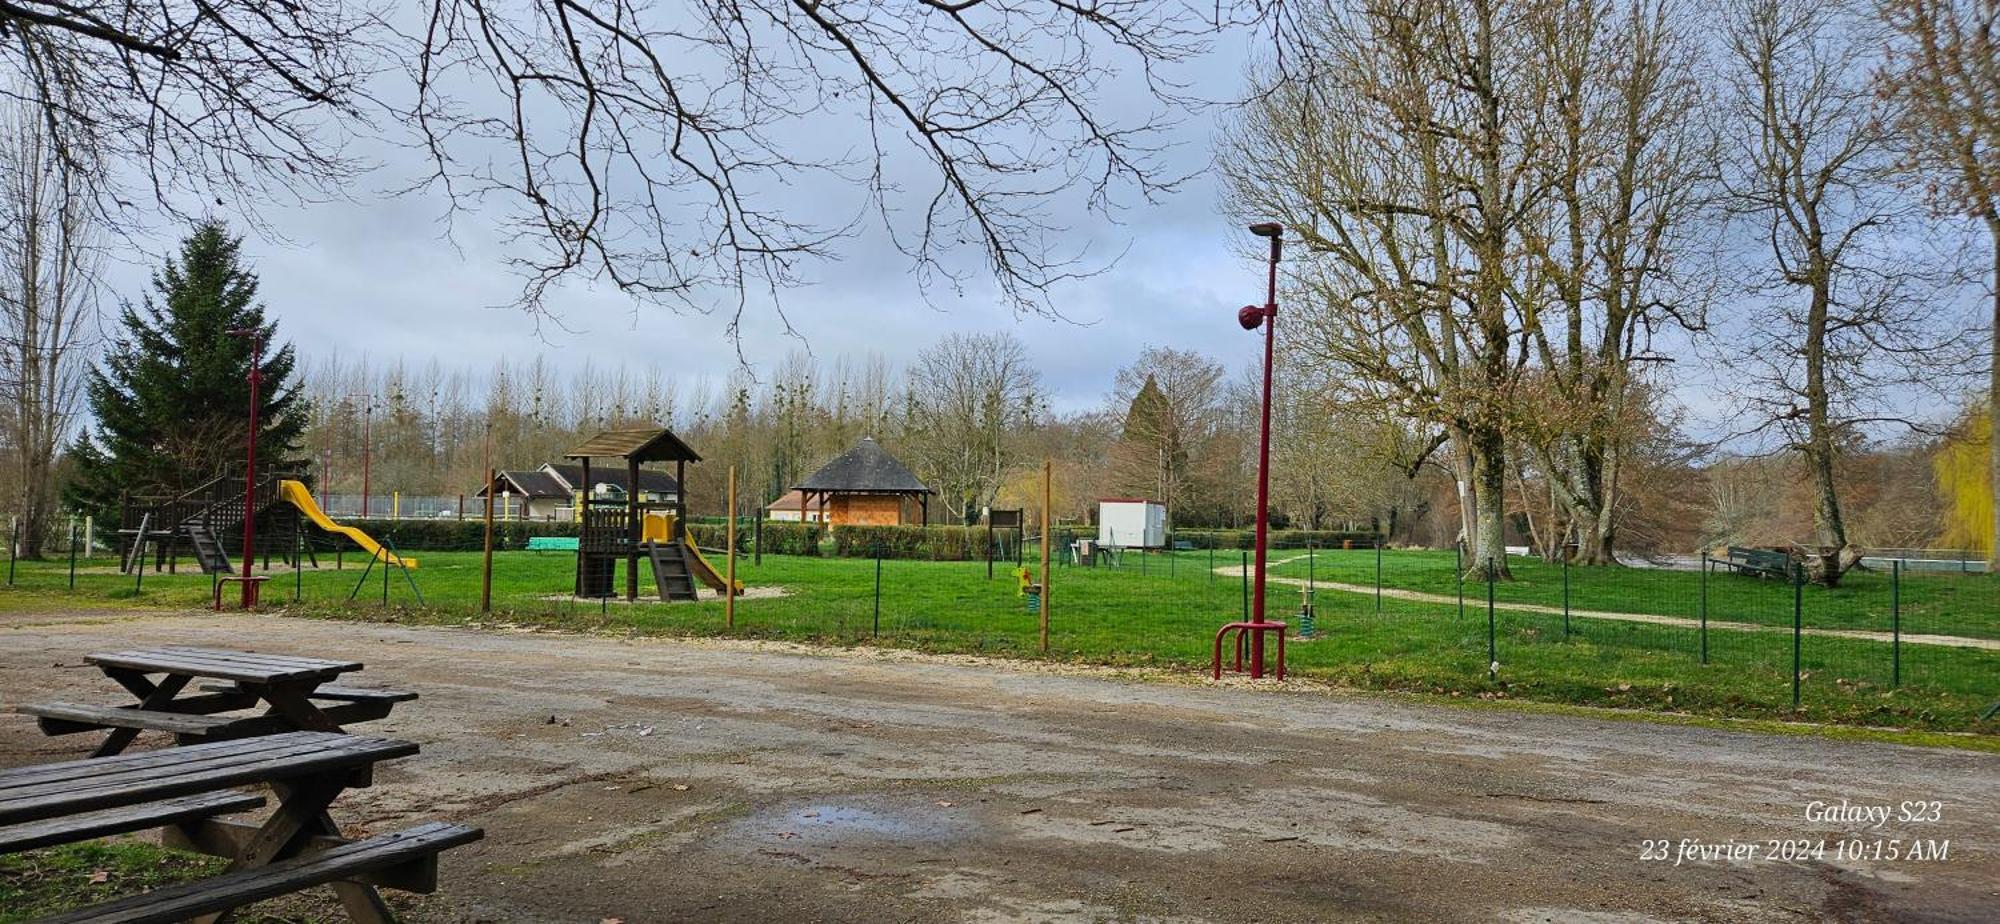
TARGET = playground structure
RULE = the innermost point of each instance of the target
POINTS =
(201, 522)
(620, 526)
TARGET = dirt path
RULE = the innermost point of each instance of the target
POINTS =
(1395, 593)
(728, 781)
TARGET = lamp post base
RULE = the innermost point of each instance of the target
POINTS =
(1243, 632)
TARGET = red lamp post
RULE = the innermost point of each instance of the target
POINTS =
(1253, 630)
(256, 336)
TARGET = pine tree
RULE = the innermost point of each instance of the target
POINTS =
(172, 395)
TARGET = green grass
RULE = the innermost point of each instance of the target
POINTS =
(1162, 610)
(44, 882)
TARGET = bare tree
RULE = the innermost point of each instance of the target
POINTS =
(1943, 75)
(1848, 321)
(660, 147)
(1402, 142)
(48, 302)
(969, 397)
(1626, 180)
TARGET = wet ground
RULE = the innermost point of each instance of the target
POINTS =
(650, 780)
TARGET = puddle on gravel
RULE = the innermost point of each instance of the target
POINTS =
(873, 821)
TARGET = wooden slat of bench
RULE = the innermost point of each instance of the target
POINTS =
(339, 694)
(259, 658)
(202, 665)
(221, 837)
(110, 782)
(284, 877)
(14, 838)
(71, 718)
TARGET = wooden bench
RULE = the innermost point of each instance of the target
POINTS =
(551, 543)
(1760, 562)
(337, 694)
(348, 862)
(295, 847)
(182, 810)
(56, 719)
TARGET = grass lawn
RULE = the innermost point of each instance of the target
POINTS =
(1163, 610)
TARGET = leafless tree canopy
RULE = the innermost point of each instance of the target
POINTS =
(670, 149)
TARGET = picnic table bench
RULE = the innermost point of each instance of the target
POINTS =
(187, 789)
(1761, 562)
(296, 695)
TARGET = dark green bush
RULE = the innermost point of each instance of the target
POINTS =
(933, 543)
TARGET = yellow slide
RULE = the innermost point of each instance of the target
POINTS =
(296, 494)
(705, 571)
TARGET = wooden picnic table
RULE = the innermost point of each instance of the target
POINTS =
(291, 689)
(296, 847)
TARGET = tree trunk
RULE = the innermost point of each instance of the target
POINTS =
(1489, 497)
(1829, 529)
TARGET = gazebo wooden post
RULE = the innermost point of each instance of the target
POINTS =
(802, 507)
(632, 529)
(680, 499)
(924, 509)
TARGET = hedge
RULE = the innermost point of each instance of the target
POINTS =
(935, 543)
(780, 538)
(466, 535)
(1280, 538)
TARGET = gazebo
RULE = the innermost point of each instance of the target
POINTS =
(611, 531)
(864, 486)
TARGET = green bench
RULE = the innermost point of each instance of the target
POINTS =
(1760, 562)
(551, 543)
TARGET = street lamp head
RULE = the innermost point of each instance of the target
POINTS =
(1268, 229)
(1250, 316)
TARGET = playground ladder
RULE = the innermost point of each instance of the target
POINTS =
(208, 550)
(670, 570)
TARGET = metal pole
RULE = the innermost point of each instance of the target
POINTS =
(1704, 607)
(1048, 584)
(878, 588)
(757, 539)
(729, 542)
(1492, 639)
(1798, 626)
(1270, 317)
(1458, 567)
(250, 470)
(1378, 574)
(1896, 622)
(486, 557)
(1245, 572)
(1565, 593)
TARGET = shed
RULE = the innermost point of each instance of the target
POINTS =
(864, 486)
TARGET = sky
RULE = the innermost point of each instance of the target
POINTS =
(385, 277)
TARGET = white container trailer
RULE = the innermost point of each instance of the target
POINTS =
(1131, 523)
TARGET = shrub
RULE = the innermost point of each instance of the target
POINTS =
(934, 543)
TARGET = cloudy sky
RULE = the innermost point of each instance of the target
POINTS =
(383, 276)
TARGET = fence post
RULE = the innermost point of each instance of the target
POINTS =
(1565, 556)
(757, 540)
(13, 551)
(1799, 627)
(1312, 567)
(728, 543)
(1703, 606)
(878, 590)
(1895, 622)
(1492, 635)
(1378, 574)
(1048, 574)
(1458, 567)
(1211, 559)
(1245, 571)
(72, 555)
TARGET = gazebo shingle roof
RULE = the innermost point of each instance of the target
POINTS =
(865, 469)
(638, 444)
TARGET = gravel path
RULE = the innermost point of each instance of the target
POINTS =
(724, 781)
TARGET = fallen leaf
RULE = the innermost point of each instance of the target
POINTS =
(100, 876)
(945, 804)
(678, 787)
